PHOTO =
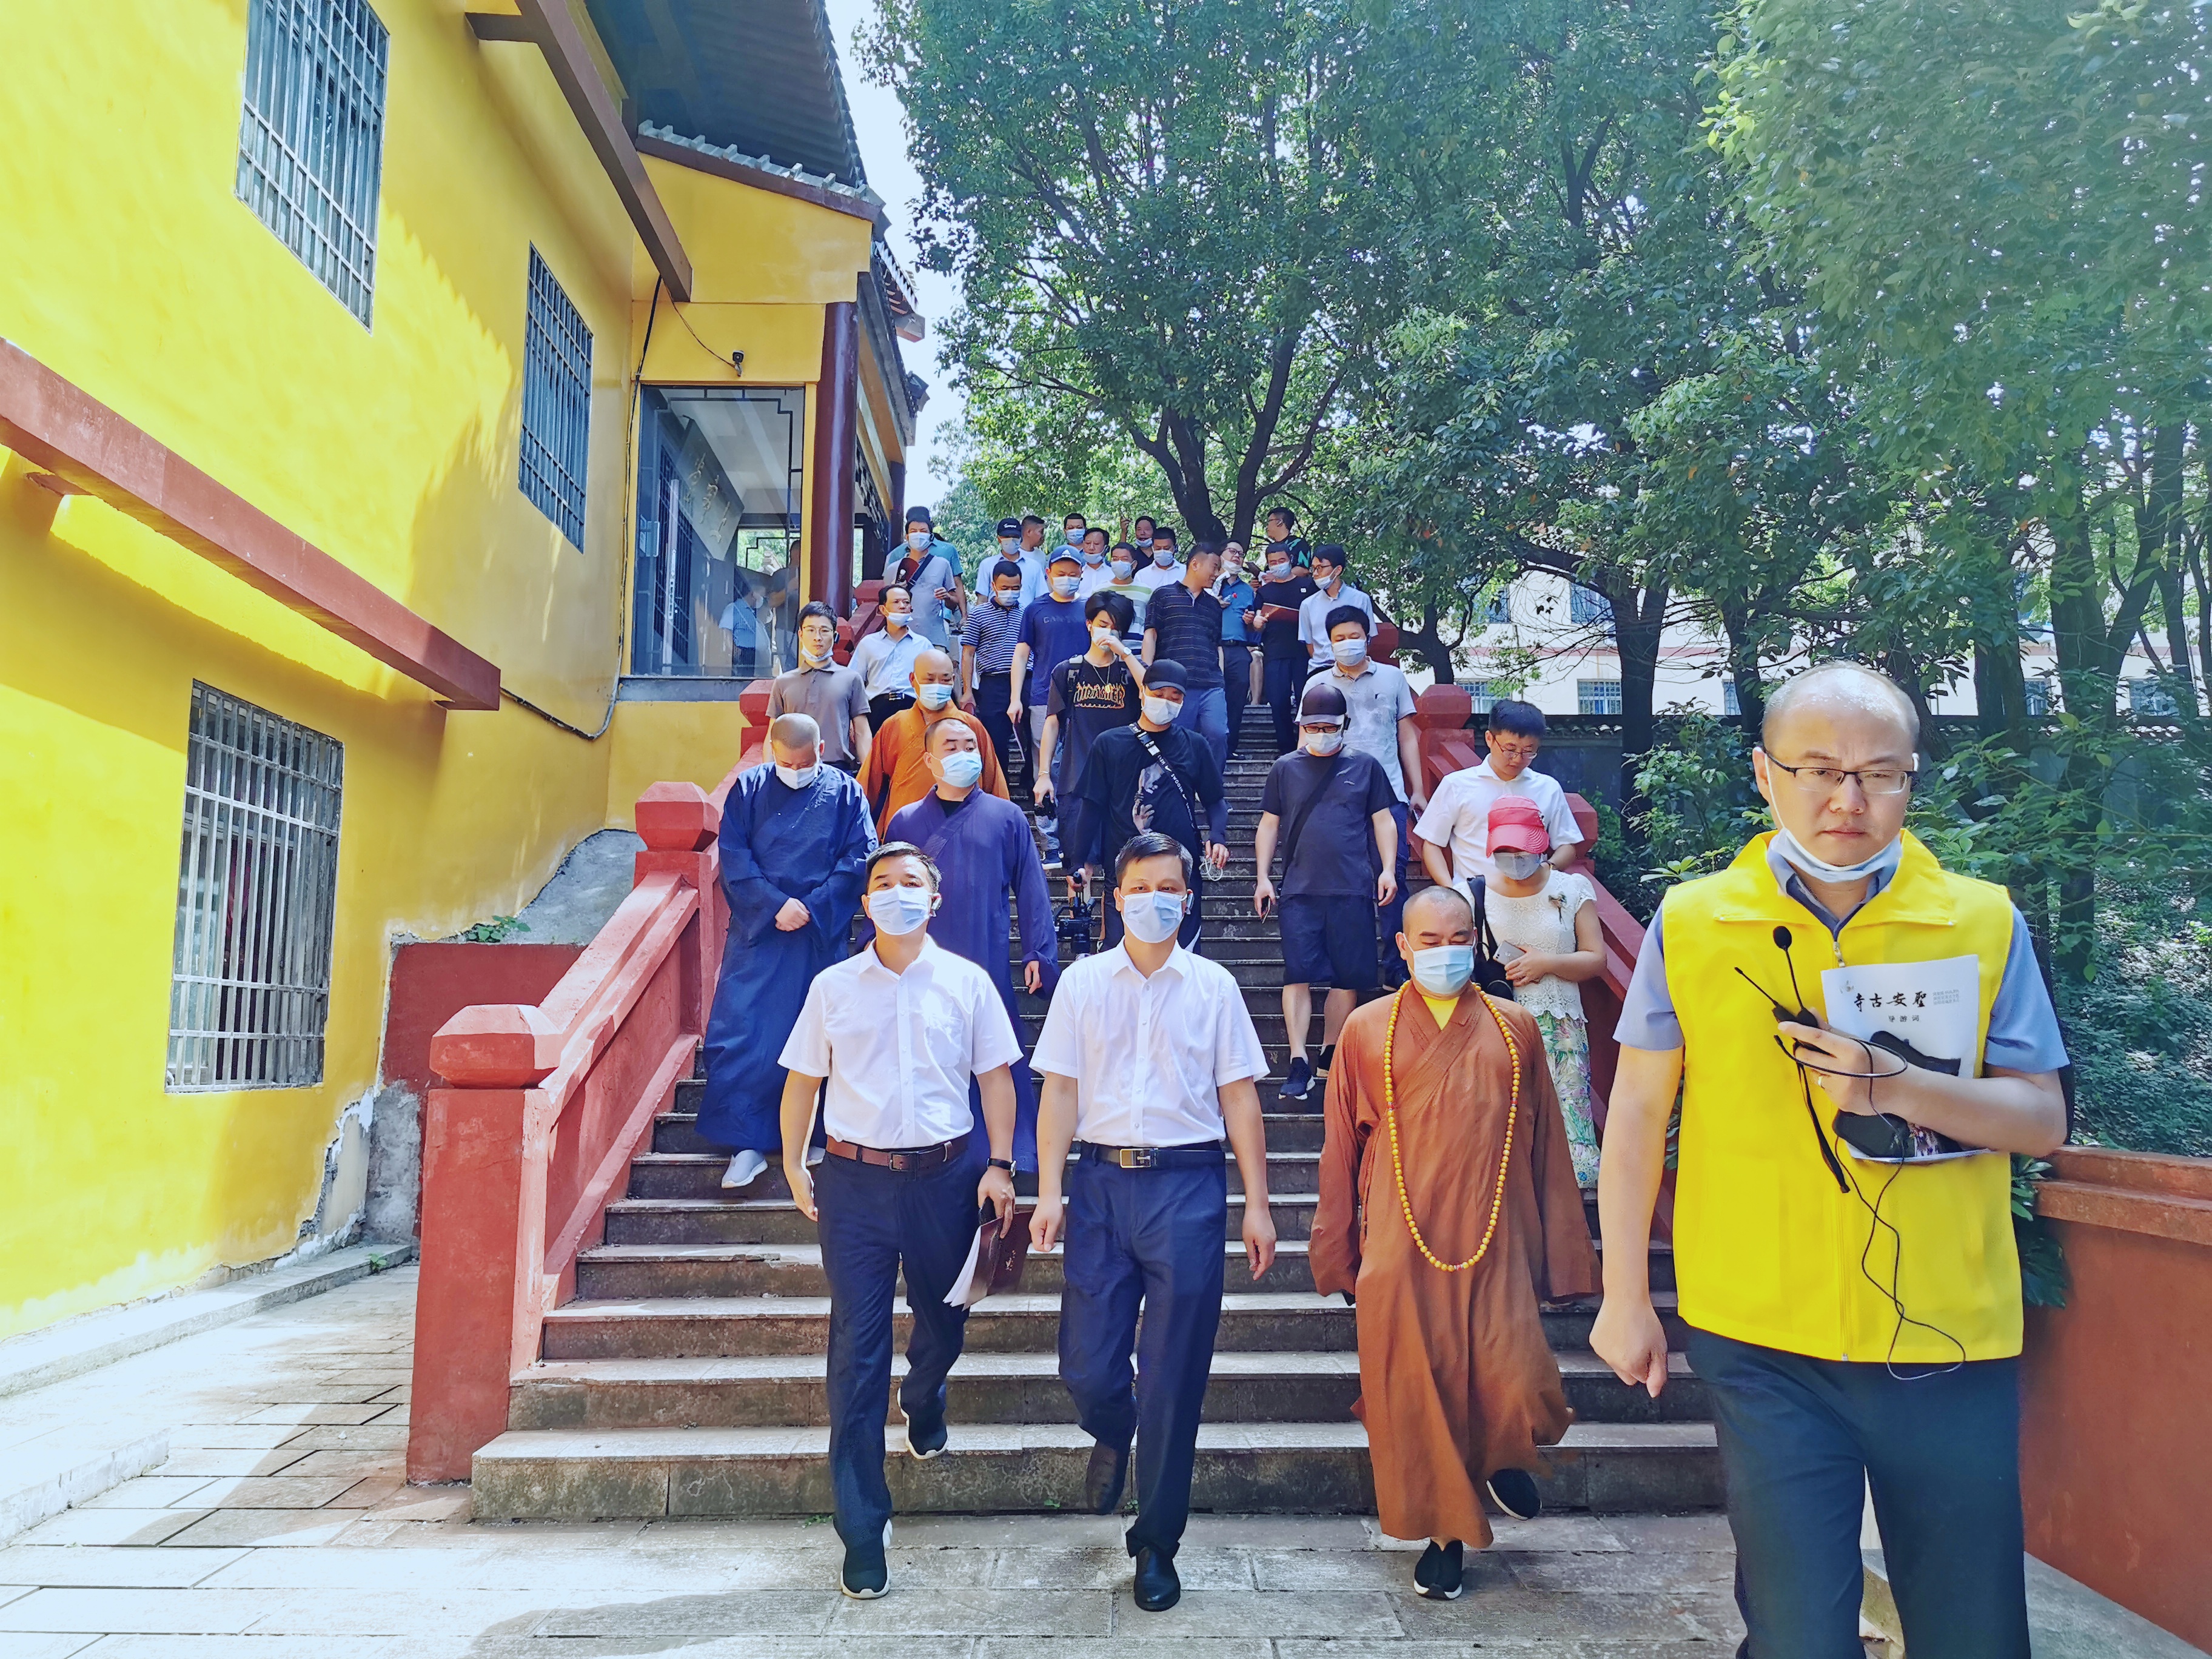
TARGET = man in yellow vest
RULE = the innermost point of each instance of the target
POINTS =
(1842, 1233)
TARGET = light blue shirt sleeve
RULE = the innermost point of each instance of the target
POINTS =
(2023, 1036)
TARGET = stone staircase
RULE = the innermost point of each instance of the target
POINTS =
(687, 1377)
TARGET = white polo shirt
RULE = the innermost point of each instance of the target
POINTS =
(899, 1048)
(1459, 815)
(1149, 1056)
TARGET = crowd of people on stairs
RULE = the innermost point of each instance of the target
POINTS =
(890, 904)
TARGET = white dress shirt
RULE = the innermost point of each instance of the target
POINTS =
(1149, 1056)
(884, 665)
(1459, 816)
(899, 1048)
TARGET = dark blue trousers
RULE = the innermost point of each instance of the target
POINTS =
(874, 1224)
(1149, 1238)
(1803, 1441)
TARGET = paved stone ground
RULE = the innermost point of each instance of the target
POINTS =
(281, 1529)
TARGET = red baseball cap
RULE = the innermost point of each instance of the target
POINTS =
(1515, 826)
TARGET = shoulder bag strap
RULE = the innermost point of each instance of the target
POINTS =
(1189, 802)
(1305, 811)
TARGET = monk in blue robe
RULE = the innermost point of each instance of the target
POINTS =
(795, 838)
(985, 854)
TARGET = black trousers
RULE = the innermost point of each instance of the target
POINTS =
(875, 1225)
(991, 695)
(1237, 684)
(882, 709)
(1803, 1440)
(1149, 1238)
(1283, 681)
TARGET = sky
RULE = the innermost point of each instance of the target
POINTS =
(879, 120)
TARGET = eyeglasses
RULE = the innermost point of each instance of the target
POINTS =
(1826, 780)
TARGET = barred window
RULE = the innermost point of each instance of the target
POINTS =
(1730, 702)
(2152, 699)
(1587, 605)
(2038, 697)
(1598, 696)
(557, 403)
(256, 892)
(310, 142)
(1483, 698)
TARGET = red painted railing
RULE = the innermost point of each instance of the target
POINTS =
(542, 1110)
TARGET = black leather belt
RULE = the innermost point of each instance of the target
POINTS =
(1150, 1157)
(910, 1161)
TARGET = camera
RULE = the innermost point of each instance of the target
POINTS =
(1075, 920)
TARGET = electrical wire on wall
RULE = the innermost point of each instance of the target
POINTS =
(622, 609)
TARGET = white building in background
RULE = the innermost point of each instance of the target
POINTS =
(1563, 632)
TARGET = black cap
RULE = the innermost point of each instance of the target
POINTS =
(1010, 526)
(1323, 702)
(1164, 673)
(919, 515)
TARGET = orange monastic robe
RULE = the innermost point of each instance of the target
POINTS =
(895, 762)
(1456, 1380)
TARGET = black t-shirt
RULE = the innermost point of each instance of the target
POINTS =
(1336, 855)
(1124, 791)
(1089, 700)
(1281, 638)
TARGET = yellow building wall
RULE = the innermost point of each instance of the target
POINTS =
(133, 270)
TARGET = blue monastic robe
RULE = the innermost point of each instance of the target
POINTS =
(985, 853)
(778, 843)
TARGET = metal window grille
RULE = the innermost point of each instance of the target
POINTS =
(1586, 605)
(255, 893)
(2152, 698)
(1730, 703)
(557, 403)
(1481, 696)
(310, 142)
(1598, 696)
(2038, 697)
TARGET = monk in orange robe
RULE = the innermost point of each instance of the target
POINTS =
(897, 775)
(1458, 1387)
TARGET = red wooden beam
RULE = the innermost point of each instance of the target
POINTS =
(89, 449)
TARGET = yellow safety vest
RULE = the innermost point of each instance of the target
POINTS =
(1766, 1250)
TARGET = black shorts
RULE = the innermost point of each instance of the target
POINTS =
(1330, 941)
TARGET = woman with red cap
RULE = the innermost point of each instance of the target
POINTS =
(1546, 922)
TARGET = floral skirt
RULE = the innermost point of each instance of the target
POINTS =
(1566, 1047)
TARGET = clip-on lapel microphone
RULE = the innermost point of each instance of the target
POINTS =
(1802, 1016)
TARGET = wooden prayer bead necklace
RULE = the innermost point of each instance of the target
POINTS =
(1397, 1156)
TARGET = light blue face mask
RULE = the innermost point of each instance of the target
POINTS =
(1444, 969)
(934, 696)
(1882, 863)
(1153, 917)
(963, 768)
(898, 910)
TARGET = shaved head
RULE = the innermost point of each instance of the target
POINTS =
(1842, 687)
(933, 661)
(794, 732)
(1446, 907)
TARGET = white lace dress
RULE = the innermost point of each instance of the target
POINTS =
(1544, 923)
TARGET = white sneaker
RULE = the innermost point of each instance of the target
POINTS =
(745, 1168)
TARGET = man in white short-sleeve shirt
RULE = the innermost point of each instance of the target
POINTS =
(1455, 830)
(897, 1032)
(1150, 1063)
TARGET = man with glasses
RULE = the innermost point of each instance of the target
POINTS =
(826, 691)
(1455, 830)
(1854, 1304)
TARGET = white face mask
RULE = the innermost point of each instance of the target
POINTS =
(1064, 586)
(963, 769)
(1321, 742)
(1009, 546)
(1009, 599)
(1279, 573)
(1074, 537)
(1103, 636)
(898, 621)
(1350, 653)
(1330, 584)
(1231, 575)
(1094, 555)
(1444, 969)
(818, 657)
(1153, 917)
(1882, 863)
(933, 696)
(797, 777)
(1162, 711)
(1517, 867)
(1123, 569)
(917, 539)
(898, 910)
(1143, 541)
(1163, 557)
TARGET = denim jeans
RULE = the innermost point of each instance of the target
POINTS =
(1205, 711)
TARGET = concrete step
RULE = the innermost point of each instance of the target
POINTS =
(678, 1131)
(780, 1390)
(702, 1328)
(699, 1175)
(649, 1221)
(624, 1272)
(1242, 1469)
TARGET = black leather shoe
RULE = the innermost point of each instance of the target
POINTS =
(1158, 1587)
(1440, 1573)
(1514, 1492)
(866, 1576)
(1106, 1478)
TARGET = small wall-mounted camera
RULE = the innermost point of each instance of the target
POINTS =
(737, 362)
